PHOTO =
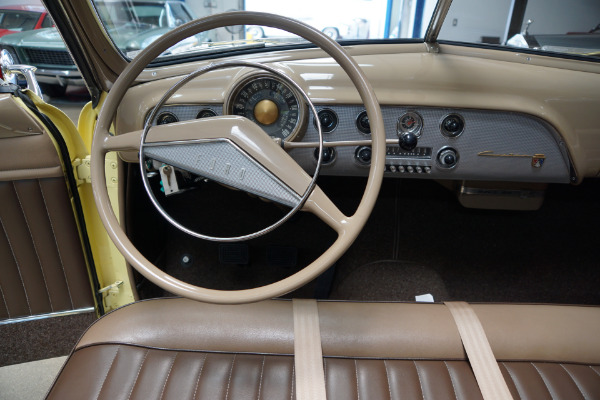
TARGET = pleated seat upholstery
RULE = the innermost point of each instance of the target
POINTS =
(181, 349)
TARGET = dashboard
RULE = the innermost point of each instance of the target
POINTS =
(422, 142)
(448, 116)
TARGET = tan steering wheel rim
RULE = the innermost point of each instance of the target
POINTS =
(318, 203)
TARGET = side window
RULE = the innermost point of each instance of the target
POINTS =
(180, 14)
(555, 26)
(47, 22)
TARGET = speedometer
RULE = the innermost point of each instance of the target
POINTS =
(272, 104)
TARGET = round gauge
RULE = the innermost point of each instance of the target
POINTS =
(166, 117)
(410, 122)
(272, 104)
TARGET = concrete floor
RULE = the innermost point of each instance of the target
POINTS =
(30, 380)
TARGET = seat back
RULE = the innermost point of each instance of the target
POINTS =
(177, 348)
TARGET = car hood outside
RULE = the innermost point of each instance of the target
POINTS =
(6, 32)
(47, 38)
(130, 37)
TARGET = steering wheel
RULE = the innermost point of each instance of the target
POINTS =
(249, 141)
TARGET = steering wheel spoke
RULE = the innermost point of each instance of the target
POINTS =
(124, 142)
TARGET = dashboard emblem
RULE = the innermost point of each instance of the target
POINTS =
(537, 160)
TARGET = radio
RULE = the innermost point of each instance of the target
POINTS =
(415, 161)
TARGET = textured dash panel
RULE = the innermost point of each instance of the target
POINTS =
(485, 130)
(42, 267)
(189, 111)
(500, 132)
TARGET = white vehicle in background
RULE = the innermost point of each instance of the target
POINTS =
(337, 19)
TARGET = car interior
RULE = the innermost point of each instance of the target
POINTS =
(402, 218)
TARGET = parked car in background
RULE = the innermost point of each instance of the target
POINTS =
(336, 22)
(356, 28)
(19, 18)
(133, 26)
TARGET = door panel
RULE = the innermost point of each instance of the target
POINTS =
(42, 265)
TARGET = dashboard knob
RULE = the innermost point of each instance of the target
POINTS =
(206, 113)
(166, 117)
(363, 155)
(362, 123)
(447, 157)
(452, 125)
(328, 119)
(328, 155)
(408, 141)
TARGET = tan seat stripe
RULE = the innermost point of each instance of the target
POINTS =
(308, 354)
(482, 360)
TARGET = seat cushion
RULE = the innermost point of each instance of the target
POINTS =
(176, 348)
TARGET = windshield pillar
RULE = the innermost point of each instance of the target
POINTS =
(437, 20)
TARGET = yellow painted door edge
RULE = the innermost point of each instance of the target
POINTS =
(111, 266)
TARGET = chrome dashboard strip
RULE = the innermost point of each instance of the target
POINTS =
(341, 143)
(46, 316)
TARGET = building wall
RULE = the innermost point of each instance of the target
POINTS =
(562, 16)
(464, 22)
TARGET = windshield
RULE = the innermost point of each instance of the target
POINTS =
(551, 26)
(15, 20)
(342, 20)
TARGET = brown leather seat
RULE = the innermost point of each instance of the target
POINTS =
(181, 349)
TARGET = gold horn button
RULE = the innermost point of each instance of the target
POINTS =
(266, 112)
